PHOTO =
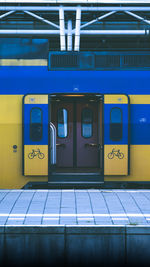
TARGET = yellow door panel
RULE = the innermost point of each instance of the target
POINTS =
(36, 160)
(116, 159)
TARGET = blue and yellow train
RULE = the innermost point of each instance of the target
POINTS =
(73, 126)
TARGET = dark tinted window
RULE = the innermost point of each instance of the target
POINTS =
(36, 115)
(62, 119)
(116, 115)
(87, 122)
(116, 124)
(36, 124)
(23, 48)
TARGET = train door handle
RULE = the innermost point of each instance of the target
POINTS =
(92, 145)
(60, 145)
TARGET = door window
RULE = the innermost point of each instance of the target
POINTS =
(62, 119)
(36, 129)
(116, 124)
(36, 115)
(87, 123)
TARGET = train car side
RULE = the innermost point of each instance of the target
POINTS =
(21, 77)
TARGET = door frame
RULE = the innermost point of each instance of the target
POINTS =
(73, 96)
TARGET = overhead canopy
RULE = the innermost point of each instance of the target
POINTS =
(70, 24)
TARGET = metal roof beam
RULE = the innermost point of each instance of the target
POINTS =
(77, 30)
(97, 19)
(62, 29)
(69, 36)
(114, 32)
(42, 19)
(71, 8)
(6, 14)
(78, 1)
(137, 17)
(82, 32)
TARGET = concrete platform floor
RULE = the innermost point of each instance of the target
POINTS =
(75, 207)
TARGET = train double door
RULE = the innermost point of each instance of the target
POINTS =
(69, 133)
(77, 135)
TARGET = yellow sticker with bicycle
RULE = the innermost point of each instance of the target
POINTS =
(36, 160)
(115, 160)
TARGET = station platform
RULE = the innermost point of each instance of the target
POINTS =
(75, 207)
(72, 227)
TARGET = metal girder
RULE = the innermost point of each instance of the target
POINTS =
(83, 32)
(78, 1)
(97, 19)
(137, 17)
(74, 8)
(42, 19)
(62, 29)
(69, 36)
(77, 30)
(6, 14)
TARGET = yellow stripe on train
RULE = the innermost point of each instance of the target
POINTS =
(115, 99)
(123, 99)
(36, 99)
(23, 62)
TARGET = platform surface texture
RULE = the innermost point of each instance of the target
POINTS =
(75, 207)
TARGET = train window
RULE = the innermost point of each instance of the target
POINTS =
(116, 124)
(36, 124)
(62, 120)
(87, 123)
(36, 115)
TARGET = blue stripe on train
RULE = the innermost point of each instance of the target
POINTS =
(23, 80)
(140, 124)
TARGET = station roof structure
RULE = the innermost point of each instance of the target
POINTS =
(72, 22)
(78, 1)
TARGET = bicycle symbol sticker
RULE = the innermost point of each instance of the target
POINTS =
(115, 153)
(35, 153)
